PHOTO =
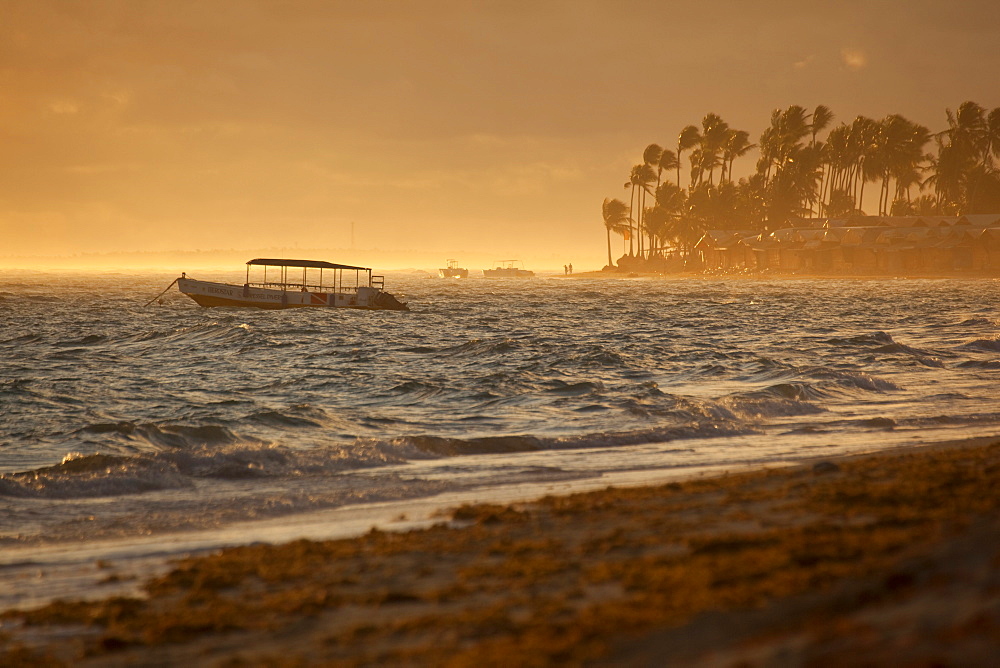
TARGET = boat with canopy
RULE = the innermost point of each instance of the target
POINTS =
(274, 283)
(453, 270)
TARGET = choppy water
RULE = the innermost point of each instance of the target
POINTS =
(119, 421)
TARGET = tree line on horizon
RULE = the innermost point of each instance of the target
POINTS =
(798, 174)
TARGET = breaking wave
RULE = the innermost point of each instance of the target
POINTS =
(96, 475)
(988, 345)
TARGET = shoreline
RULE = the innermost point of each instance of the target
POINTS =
(776, 276)
(851, 556)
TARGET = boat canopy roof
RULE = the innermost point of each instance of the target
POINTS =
(315, 264)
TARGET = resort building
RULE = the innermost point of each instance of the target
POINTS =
(861, 245)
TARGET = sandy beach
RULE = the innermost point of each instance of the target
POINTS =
(887, 559)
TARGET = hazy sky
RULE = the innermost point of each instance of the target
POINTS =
(497, 127)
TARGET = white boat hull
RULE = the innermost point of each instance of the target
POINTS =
(207, 293)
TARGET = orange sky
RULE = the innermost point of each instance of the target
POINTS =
(493, 128)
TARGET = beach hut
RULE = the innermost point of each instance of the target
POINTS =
(985, 254)
(981, 220)
(766, 252)
(721, 249)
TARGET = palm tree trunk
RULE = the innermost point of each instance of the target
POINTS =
(822, 189)
(679, 164)
(631, 199)
(608, 230)
(641, 225)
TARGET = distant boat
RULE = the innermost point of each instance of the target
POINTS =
(507, 269)
(283, 289)
(453, 271)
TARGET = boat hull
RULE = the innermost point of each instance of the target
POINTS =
(209, 294)
(507, 273)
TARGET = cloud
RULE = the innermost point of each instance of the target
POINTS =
(803, 63)
(855, 59)
(64, 107)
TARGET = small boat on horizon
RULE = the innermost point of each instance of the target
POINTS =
(281, 290)
(453, 271)
(507, 269)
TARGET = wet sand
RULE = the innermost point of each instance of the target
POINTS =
(881, 559)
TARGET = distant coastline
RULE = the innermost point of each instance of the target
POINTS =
(872, 246)
(802, 206)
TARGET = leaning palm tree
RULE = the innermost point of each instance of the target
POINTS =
(713, 138)
(794, 126)
(821, 119)
(616, 219)
(659, 158)
(669, 161)
(651, 155)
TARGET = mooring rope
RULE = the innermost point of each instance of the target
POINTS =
(162, 293)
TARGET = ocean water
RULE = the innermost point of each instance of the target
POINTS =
(132, 434)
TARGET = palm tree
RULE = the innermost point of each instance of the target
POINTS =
(837, 155)
(657, 224)
(651, 155)
(751, 202)
(641, 176)
(630, 185)
(671, 201)
(791, 170)
(737, 145)
(650, 158)
(898, 152)
(864, 140)
(668, 161)
(616, 219)
(949, 168)
(974, 135)
(993, 132)
(688, 138)
(967, 128)
(686, 230)
(713, 139)
(821, 119)
(702, 160)
(782, 138)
